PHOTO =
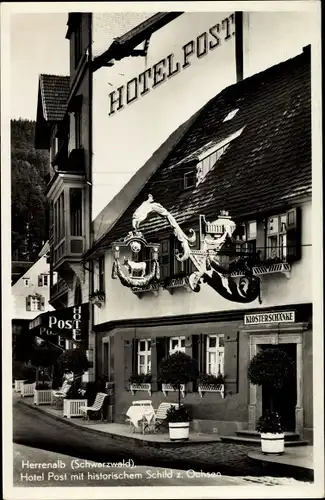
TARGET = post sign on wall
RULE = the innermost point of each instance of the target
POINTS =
(70, 323)
(266, 318)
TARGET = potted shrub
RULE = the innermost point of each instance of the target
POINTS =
(272, 433)
(211, 383)
(28, 387)
(43, 357)
(177, 370)
(140, 382)
(75, 399)
(178, 419)
(273, 369)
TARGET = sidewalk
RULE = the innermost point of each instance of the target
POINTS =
(121, 430)
(297, 460)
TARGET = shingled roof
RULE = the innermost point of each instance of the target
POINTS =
(267, 166)
(54, 92)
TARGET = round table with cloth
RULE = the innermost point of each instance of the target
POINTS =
(137, 414)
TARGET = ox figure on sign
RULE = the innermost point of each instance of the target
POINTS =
(136, 269)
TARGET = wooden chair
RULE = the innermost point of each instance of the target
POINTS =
(96, 408)
(159, 418)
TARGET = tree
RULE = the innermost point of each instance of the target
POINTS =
(28, 202)
(271, 368)
(178, 369)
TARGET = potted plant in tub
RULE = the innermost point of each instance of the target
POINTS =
(177, 370)
(273, 369)
(178, 419)
(272, 434)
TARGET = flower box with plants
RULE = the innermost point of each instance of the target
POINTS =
(75, 399)
(140, 382)
(273, 370)
(97, 298)
(270, 427)
(42, 394)
(175, 371)
(211, 383)
(178, 419)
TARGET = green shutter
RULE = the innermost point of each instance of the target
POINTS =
(164, 259)
(293, 229)
(162, 352)
(42, 303)
(231, 362)
(40, 280)
(128, 361)
(28, 303)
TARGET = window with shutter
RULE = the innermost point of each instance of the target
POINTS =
(164, 259)
(144, 356)
(215, 354)
(40, 280)
(293, 222)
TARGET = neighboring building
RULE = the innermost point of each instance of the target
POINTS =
(248, 151)
(30, 293)
(18, 268)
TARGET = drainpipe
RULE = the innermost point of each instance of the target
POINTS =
(239, 46)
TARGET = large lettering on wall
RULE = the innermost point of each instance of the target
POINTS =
(169, 66)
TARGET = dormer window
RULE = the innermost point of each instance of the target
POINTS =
(231, 115)
(189, 179)
(209, 157)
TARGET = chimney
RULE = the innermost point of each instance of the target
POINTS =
(239, 46)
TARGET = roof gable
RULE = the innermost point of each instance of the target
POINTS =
(260, 169)
(54, 91)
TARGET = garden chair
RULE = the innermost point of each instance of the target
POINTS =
(60, 394)
(96, 408)
(159, 418)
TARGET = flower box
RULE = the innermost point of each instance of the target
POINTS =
(71, 407)
(18, 385)
(169, 388)
(202, 388)
(140, 387)
(43, 396)
(97, 298)
(28, 389)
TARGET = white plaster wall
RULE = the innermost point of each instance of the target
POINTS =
(19, 291)
(276, 290)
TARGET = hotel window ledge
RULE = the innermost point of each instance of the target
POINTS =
(176, 282)
(268, 268)
(152, 288)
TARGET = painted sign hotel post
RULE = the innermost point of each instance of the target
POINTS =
(209, 269)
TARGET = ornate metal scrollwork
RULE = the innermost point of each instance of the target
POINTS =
(206, 260)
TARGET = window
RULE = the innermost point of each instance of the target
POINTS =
(215, 354)
(249, 237)
(26, 281)
(144, 356)
(59, 219)
(231, 115)
(77, 118)
(189, 179)
(35, 303)
(176, 344)
(76, 211)
(277, 237)
(43, 280)
(77, 44)
(101, 273)
(164, 259)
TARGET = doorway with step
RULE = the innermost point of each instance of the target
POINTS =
(283, 401)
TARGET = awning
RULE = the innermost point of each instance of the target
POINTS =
(70, 323)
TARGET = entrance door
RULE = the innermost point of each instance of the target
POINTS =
(284, 400)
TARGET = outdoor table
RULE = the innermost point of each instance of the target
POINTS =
(137, 413)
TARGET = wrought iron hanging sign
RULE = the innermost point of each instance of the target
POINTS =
(209, 269)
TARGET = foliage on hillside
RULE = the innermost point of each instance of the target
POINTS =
(28, 212)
